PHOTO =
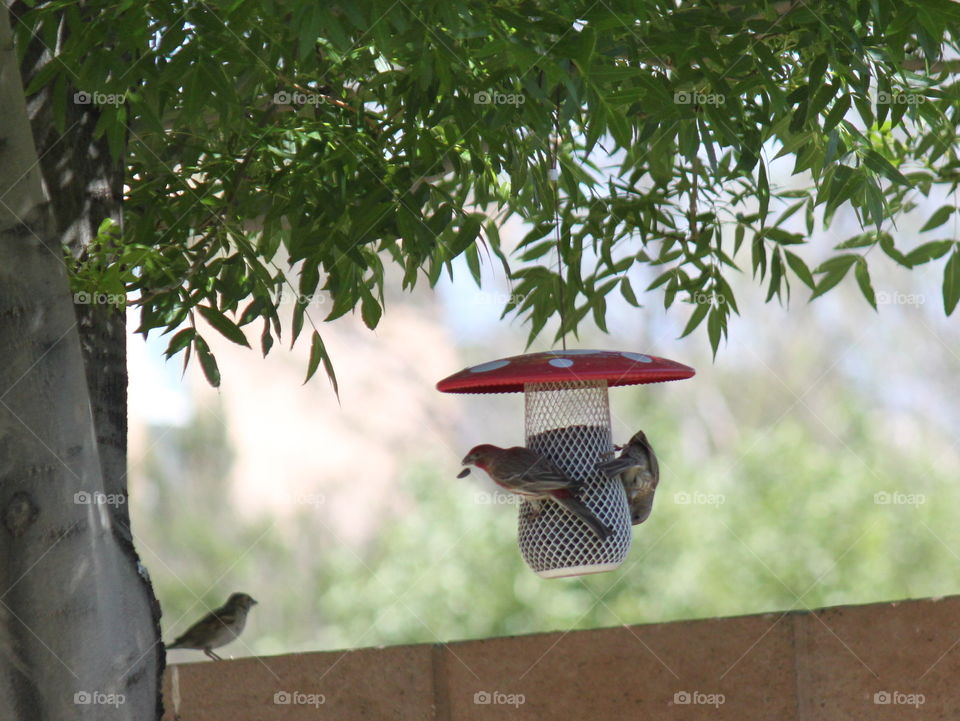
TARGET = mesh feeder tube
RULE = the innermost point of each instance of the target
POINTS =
(567, 420)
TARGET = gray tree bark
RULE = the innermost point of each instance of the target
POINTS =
(78, 624)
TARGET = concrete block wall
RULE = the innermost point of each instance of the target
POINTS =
(872, 662)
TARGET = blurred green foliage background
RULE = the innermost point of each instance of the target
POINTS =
(797, 460)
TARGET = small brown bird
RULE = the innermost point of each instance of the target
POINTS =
(529, 474)
(640, 473)
(217, 628)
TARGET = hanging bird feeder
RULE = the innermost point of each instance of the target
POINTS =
(568, 422)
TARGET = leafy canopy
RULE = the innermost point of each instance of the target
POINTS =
(274, 150)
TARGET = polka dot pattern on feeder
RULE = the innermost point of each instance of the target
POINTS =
(491, 366)
(560, 362)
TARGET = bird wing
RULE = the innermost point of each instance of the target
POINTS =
(640, 508)
(615, 466)
(535, 473)
(652, 462)
(207, 626)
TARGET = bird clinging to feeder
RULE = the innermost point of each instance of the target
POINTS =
(568, 423)
(637, 468)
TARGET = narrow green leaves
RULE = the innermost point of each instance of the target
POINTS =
(227, 327)
(832, 272)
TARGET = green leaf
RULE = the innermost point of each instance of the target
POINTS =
(538, 251)
(467, 234)
(620, 129)
(699, 313)
(759, 256)
(266, 339)
(370, 310)
(180, 341)
(833, 272)
(888, 247)
(738, 237)
(800, 269)
(626, 290)
(776, 275)
(836, 113)
(207, 362)
(817, 69)
(951, 282)
(227, 327)
(790, 211)
(929, 251)
(938, 218)
(862, 274)
(879, 164)
(863, 240)
(318, 354)
(781, 236)
(763, 192)
(715, 327)
(296, 325)
(599, 307)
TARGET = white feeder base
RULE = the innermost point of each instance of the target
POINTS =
(579, 570)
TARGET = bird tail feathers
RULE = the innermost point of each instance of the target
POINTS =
(577, 508)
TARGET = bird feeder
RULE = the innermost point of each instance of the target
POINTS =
(567, 420)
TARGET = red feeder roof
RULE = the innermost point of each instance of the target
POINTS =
(508, 375)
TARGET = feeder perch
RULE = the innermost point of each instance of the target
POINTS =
(567, 419)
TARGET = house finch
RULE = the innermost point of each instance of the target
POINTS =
(526, 473)
(217, 628)
(640, 473)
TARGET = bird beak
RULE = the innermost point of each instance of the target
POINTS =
(464, 473)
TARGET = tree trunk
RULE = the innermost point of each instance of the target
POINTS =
(78, 633)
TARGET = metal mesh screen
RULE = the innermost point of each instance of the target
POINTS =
(569, 423)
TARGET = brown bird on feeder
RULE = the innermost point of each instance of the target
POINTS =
(526, 473)
(640, 473)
